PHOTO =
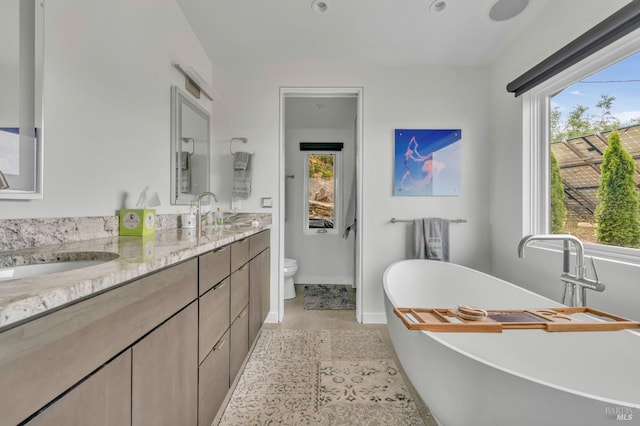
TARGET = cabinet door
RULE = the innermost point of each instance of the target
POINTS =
(214, 381)
(259, 278)
(104, 399)
(239, 343)
(165, 373)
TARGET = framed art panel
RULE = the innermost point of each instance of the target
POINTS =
(427, 162)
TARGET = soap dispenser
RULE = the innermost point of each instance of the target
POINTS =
(188, 220)
(219, 218)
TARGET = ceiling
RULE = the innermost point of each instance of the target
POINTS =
(364, 32)
(320, 112)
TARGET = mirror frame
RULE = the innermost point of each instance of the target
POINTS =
(180, 100)
(37, 68)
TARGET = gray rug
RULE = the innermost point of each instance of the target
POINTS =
(320, 296)
(321, 377)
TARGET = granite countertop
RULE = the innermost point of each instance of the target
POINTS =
(27, 298)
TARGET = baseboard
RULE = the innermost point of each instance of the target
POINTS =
(374, 318)
(323, 280)
(272, 317)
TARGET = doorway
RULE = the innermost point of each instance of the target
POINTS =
(328, 121)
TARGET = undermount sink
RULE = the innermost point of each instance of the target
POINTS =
(62, 262)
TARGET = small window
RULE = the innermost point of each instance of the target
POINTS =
(322, 192)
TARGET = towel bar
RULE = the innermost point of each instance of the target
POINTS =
(395, 220)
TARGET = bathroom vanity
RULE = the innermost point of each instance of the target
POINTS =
(159, 347)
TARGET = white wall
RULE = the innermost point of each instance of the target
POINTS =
(322, 258)
(107, 78)
(394, 97)
(560, 23)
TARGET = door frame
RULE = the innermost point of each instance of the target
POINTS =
(322, 92)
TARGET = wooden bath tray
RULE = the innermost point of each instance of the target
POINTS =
(549, 319)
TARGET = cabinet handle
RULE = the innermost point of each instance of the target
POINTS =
(243, 267)
(220, 285)
(219, 345)
(243, 313)
(221, 249)
(242, 240)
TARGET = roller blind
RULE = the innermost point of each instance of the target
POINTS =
(616, 26)
(321, 146)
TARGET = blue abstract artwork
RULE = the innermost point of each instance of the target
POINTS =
(427, 162)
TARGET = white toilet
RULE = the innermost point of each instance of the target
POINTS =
(290, 269)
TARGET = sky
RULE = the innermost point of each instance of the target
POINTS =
(621, 80)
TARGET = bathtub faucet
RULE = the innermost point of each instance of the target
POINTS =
(577, 283)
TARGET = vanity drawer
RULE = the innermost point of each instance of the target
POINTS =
(213, 268)
(258, 243)
(214, 381)
(239, 253)
(239, 290)
(239, 339)
(214, 316)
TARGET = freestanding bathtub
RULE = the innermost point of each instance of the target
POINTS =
(517, 377)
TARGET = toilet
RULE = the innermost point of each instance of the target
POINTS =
(290, 269)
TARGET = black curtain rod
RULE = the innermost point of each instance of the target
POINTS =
(616, 26)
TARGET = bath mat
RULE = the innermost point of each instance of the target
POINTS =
(321, 378)
(320, 296)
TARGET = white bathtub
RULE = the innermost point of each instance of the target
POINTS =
(518, 377)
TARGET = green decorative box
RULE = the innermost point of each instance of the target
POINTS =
(137, 222)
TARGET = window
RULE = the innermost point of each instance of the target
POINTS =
(322, 192)
(571, 118)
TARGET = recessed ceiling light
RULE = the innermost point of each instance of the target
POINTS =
(319, 6)
(438, 5)
(503, 10)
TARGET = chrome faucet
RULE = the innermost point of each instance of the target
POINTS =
(199, 212)
(578, 283)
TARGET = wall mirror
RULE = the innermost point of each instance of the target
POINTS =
(190, 148)
(21, 62)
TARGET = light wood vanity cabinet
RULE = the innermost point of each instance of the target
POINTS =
(259, 282)
(41, 359)
(225, 329)
(161, 350)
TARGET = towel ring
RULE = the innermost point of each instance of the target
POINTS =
(242, 139)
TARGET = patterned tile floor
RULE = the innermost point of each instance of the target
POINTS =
(322, 368)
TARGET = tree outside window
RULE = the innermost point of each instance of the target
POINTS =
(594, 182)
